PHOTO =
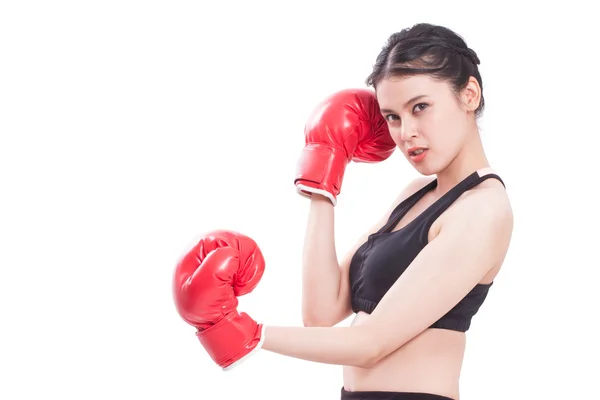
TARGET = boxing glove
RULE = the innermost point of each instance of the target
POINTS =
(346, 126)
(207, 282)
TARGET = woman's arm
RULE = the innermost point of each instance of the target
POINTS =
(443, 273)
(325, 281)
(351, 346)
(321, 273)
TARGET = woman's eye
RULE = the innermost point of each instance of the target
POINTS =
(391, 118)
(419, 107)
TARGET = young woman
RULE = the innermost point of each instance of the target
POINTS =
(416, 278)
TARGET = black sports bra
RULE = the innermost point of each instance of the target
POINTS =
(382, 259)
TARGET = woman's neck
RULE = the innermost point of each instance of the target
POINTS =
(470, 159)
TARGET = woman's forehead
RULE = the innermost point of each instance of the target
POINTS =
(397, 91)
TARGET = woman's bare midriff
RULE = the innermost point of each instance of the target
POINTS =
(430, 363)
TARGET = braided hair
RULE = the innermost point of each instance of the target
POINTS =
(428, 49)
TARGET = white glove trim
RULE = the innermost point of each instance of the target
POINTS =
(301, 189)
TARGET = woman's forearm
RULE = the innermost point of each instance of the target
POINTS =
(320, 267)
(349, 346)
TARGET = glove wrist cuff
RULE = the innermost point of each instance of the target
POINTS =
(231, 339)
(321, 170)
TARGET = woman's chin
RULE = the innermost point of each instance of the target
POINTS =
(424, 169)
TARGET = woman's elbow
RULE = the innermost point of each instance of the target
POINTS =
(371, 352)
(370, 358)
(367, 363)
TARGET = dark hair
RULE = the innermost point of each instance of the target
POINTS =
(428, 49)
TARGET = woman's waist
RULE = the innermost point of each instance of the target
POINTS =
(430, 362)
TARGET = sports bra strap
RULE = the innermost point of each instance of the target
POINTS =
(406, 205)
(441, 204)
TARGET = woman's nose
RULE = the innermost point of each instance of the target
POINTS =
(407, 131)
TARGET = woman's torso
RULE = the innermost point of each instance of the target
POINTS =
(432, 361)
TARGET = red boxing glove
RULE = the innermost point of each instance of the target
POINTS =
(207, 282)
(346, 126)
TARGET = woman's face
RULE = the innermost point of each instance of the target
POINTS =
(427, 120)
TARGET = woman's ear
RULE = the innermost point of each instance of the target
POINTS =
(471, 95)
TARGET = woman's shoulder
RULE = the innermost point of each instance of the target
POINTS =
(416, 184)
(411, 188)
(490, 194)
(488, 201)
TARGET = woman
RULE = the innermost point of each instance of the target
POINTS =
(438, 253)
(415, 279)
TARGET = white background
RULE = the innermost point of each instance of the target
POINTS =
(131, 127)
